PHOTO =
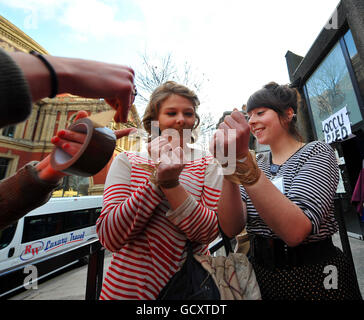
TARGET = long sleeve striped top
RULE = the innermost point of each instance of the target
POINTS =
(147, 237)
(310, 179)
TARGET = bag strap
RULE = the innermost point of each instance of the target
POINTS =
(226, 242)
(188, 245)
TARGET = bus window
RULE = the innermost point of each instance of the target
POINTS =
(38, 227)
(7, 234)
(77, 219)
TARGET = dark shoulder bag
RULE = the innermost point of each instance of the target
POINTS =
(192, 281)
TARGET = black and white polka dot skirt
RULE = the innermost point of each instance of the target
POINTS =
(332, 279)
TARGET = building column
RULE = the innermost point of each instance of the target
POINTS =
(48, 124)
(62, 119)
(31, 123)
(40, 124)
(19, 130)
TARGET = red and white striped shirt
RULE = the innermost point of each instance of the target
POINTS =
(147, 237)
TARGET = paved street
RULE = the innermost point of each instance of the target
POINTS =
(357, 249)
(71, 285)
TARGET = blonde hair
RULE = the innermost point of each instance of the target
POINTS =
(163, 92)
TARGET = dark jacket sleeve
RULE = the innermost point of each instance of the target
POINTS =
(21, 193)
(15, 96)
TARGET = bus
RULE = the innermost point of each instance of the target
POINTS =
(59, 224)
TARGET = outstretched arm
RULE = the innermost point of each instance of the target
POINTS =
(33, 184)
(85, 78)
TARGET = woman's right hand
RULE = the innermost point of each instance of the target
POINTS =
(235, 121)
(94, 79)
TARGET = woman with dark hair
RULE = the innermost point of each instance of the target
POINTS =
(147, 217)
(285, 200)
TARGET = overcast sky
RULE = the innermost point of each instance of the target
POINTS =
(237, 45)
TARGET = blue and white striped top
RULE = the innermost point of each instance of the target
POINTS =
(310, 179)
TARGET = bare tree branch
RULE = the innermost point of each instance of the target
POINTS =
(157, 71)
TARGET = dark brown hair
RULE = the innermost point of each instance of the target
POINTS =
(278, 98)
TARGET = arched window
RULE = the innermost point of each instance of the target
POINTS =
(9, 131)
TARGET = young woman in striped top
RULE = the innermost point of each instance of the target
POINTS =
(286, 202)
(147, 218)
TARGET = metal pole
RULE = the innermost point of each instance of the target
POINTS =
(95, 272)
(344, 238)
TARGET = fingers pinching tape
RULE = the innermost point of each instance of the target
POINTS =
(94, 154)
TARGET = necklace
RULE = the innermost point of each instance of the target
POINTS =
(274, 168)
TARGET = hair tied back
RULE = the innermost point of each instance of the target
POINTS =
(296, 83)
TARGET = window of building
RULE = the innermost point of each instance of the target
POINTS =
(73, 186)
(4, 163)
(72, 119)
(9, 131)
(355, 60)
(330, 88)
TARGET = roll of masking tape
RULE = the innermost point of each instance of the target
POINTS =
(94, 154)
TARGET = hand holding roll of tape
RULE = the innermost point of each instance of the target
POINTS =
(94, 153)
